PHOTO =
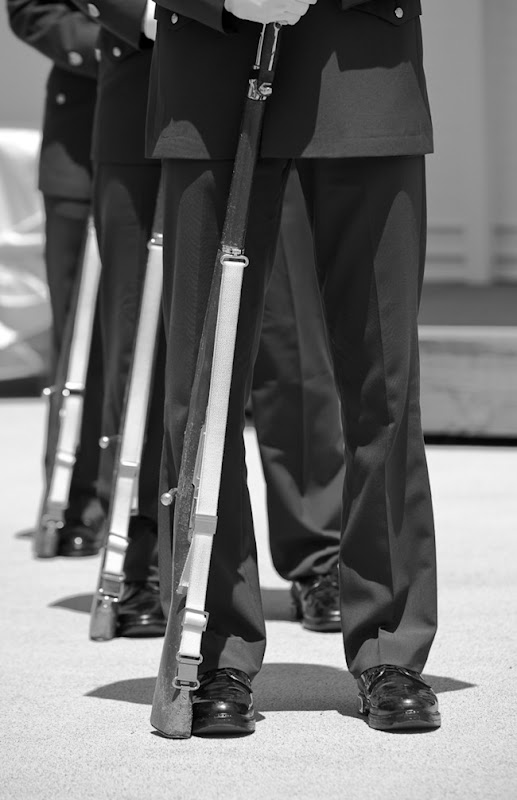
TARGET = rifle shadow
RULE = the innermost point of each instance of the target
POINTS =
(28, 533)
(76, 602)
(282, 687)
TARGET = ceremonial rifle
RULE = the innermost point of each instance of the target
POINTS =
(192, 508)
(124, 495)
(67, 400)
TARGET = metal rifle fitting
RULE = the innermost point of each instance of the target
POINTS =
(260, 91)
(232, 257)
(105, 441)
(186, 677)
(167, 498)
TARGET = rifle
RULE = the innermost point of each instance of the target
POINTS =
(67, 401)
(124, 496)
(193, 505)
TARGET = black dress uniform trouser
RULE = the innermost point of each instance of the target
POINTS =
(124, 205)
(65, 235)
(295, 408)
(369, 228)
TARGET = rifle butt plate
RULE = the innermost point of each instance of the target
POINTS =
(173, 719)
(103, 619)
(46, 539)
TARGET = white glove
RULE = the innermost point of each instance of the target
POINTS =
(287, 11)
(148, 21)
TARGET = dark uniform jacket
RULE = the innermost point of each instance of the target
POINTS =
(66, 36)
(350, 82)
(125, 61)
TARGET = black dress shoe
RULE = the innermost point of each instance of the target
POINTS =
(223, 704)
(75, 539)
(316, 602)
(140, 611)
(395, 698)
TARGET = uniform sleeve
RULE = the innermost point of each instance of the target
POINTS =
(57, 30)
(208, 12)
(123, 18)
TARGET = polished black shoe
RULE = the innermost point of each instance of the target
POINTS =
(395, 698)
(140, 611)
(75, 539)
(223, 704)
(316, 602)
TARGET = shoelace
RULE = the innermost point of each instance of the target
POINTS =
(218, 679)
(372, 679)
(325, 584)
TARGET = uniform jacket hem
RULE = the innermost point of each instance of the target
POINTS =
(360, 147)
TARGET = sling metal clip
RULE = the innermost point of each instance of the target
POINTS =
(186, 677)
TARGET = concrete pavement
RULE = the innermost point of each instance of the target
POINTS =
(75, 714)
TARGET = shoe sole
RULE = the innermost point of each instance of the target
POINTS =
(223, 726)
(332, 626)
(141, 631)
(401, 720)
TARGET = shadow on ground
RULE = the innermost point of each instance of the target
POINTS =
(282, 687)
(27, 534)
(276, 602)
(76, 602)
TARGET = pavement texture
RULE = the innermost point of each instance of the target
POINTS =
(75, 714)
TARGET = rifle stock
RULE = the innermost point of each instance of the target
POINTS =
(172, 712)
(124, 496)
(172, 707)
(67, 400)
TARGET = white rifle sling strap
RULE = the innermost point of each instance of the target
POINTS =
(73, 391)
(135, 418)
(205, 516)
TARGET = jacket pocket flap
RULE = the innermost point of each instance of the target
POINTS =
(395, 11)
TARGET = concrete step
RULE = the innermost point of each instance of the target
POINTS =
(469, 380)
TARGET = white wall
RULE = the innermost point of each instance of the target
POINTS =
(23, 73)
(471, 63)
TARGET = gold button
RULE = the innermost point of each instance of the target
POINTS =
(75, 59)
(399, 12)
(93, 11)
(117, 52)
(97, 54)
(174, 19)
(60, 99)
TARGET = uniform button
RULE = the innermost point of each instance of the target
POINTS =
(75, 59)
(399, 12)
(174, 19)
(60, 99)
(93, 11)
(117, 52)
(97, 53)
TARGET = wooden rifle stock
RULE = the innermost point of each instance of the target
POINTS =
(130, 441)
(66, 401)
(172, 706)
